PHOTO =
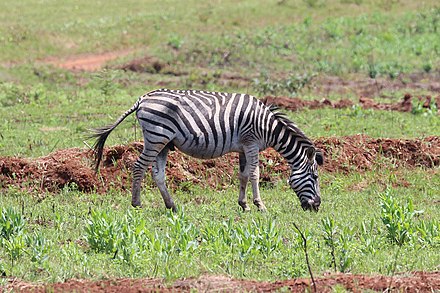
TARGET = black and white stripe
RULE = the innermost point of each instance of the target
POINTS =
(210, 124)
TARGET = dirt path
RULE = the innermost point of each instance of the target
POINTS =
(346, 154)
(408, 282)
(88, 62)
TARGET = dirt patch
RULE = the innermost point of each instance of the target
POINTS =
(376, 87)
(410, 282)
(200, 76)
(405, 105)
(322, 85)
(88, 62)
(74, 166)
(146, 64)
(362, 153)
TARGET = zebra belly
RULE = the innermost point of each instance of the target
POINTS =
(197, 147)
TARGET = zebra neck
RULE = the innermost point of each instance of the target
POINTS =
(294, 150)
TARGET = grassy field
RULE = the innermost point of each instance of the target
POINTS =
(380, 221)
(72, 235)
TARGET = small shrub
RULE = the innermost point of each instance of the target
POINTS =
(427, 67)
(175, 42)
(11, 94)
(290, 85)
(106, 81)
(373, 70)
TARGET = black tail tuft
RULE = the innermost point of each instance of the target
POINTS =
(98, 147)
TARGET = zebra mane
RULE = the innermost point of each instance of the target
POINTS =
(281, 117)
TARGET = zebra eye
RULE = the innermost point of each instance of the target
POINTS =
(315, 176)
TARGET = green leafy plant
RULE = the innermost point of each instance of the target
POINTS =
(428, 233)
(345, 249)
(397, 218)
(175, 41)
(38, 247)
(183, 234)
(330, 230)
(11, 223)
(133, 239)
(368, 238)
(418, 107)
(103, 232)
(268, 237)
(15, 247)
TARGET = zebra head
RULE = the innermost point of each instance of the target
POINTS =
(304, 181)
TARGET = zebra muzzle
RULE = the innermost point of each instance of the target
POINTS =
(311, 205)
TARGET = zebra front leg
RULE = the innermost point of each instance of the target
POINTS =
(254, 170)
(243, 176)
(254, 175)
(158, 174)
(255, 178)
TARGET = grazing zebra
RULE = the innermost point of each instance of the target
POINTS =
(210, 124)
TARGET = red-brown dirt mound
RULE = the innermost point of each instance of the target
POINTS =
(74, 166)
(414, 282)
(406, 105)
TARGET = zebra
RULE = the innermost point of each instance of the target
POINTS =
(208, 125)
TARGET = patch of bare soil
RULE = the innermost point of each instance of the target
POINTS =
(74, 166)
(88, 62)
(320, 85)
(405, 105)
(410, 282)
(369, 87)
(154, 65)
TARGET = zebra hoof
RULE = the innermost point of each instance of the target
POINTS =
(244, 206)
(261, 207)
(137, 205)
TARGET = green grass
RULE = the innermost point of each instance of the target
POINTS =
(215, 237)
(32, 29)
(274, 44)
(32, 132)
(374, 38)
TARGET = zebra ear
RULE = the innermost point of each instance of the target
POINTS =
(319, 158)
(313, 154)
(311, 151)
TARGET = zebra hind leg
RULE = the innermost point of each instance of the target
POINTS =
(144, 161)
(158, 174)
(243, 176)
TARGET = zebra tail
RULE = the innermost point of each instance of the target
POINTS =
(102, 133)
